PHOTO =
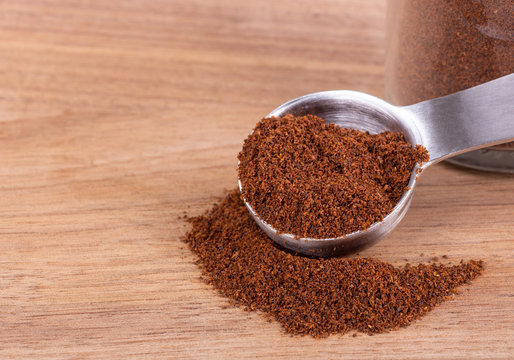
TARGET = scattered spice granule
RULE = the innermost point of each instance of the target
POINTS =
(314, 296)
(318, 180)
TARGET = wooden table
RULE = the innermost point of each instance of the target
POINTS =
(118, 116)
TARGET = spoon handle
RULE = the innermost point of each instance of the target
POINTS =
(466, 120)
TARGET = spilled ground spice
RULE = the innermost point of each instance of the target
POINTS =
(314, 296)
(318, 180)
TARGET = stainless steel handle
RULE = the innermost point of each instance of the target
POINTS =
(466, 120)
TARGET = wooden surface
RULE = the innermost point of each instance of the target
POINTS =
(118, 116)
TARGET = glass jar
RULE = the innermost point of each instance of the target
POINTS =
(438, 47)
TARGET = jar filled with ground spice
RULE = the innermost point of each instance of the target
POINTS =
(439, 47)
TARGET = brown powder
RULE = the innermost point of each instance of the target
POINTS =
(439, 47)
(314, 296)
(318, 180)
(447, 46)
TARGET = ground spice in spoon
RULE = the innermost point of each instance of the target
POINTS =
(314, 296)
(318, 180)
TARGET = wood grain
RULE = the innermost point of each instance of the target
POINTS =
(118, 116)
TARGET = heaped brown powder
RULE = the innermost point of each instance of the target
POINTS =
(314, 296)
(317, 180)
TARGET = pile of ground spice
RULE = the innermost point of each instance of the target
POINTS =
(318, 180)
(314, 296)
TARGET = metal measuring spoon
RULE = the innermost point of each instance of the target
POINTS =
(447, 126)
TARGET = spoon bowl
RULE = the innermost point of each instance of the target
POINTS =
(467, 120)
(348, 109)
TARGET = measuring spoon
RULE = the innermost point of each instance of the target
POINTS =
(467, 120)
